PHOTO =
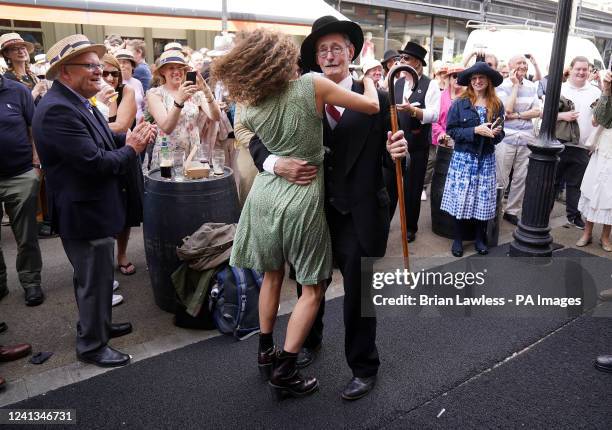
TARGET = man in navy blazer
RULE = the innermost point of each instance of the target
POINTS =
(84, 162)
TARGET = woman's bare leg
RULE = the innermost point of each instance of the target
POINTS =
(605, 234)
(588, 231)
(302, 317)
(269, 297)
(122, 243)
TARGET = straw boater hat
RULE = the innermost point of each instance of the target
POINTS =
(68, 48)
(11, 39)
(454, 69)
(173, 46)
(125, 54)
(322, 27)
(171, 57)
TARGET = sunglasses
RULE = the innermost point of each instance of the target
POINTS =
(114, 74)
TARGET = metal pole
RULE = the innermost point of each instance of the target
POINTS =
(532, 236)
(555, 71)
(386, 43)
(223, 15)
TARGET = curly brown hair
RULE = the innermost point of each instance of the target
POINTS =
(261, 63)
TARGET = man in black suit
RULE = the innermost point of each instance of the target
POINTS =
(356, 199)
(417, 110)
(84, 162)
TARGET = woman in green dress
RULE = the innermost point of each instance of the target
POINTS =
(282, 222)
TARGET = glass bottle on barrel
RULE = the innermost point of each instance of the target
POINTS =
(165, 160)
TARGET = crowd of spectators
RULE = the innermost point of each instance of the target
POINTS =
(487, 110)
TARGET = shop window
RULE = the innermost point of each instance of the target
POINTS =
(407, 27)
(26, 24)
(33, 36)
(449, 39)
(372, 22)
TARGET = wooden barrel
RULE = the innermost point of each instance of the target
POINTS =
(441, 221)
(174, 210)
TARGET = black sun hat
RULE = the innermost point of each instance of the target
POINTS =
(328, 25)
(480, 68)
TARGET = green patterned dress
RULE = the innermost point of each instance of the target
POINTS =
(283, 222)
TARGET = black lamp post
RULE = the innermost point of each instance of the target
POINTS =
(532, 236)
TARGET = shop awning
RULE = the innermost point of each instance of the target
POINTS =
(290, 16)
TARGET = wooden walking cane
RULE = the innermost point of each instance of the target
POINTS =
(399, 176)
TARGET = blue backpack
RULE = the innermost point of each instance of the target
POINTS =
(234, 301)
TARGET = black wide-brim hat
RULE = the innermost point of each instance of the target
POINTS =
(416, 51)
(327, 25)
(480, 68)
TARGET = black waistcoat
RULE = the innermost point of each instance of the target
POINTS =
(417, 134)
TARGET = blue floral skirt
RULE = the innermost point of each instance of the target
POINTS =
(470, 189)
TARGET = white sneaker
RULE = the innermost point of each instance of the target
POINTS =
(115, 285)
(117, 299)
(423, 196)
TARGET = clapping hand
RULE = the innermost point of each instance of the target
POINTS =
(143, 134)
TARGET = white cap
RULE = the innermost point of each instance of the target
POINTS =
(369, 64)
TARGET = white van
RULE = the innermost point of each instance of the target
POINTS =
(508, 42)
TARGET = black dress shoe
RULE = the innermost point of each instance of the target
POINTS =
(481, 249)
(105, 357)
(307, 356)
(411, 237)
(604, 363)
(34, 296)
(512, 219)
(358, 387)
(121, 329)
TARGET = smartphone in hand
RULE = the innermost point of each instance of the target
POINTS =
(497, 123)
(191, 76)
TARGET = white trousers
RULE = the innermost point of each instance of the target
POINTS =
(509, 156)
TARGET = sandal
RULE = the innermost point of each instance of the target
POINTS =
(127, 269)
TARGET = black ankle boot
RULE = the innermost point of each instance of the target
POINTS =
(481, 235)
(287, 381)
(265, 362)
(266, 355)
(457, 248)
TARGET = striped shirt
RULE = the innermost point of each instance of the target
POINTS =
(526, 99)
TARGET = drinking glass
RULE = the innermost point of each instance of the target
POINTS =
(166, 160)
(179, 163)
(218, 160)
